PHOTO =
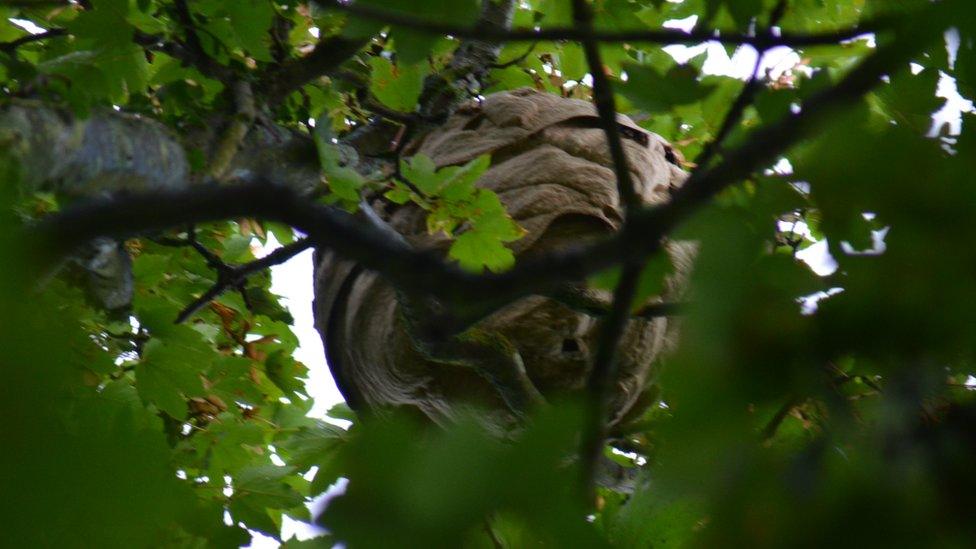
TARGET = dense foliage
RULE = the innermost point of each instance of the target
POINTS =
(772, 425)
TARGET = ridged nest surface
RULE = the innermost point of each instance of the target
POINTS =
(551, 168)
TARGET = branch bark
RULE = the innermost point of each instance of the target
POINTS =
(291, 75)
(605, 369)
(235, 276)
(237, 128)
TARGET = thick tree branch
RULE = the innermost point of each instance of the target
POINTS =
(135, 213)
(661, 36)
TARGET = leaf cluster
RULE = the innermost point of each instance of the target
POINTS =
(848, 422)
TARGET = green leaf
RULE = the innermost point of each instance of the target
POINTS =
(649, 284)
(317, 542)
(422, 172)
(236, 248)
(169, 371)
(230, 379)
(556, 13)
(414, 47)
(456, 200)
(285, 372)
(229, 444)
(654, 92)
(572, 62)
(251, 21)
(509, 78)
(396, 86)
(459, 12)
(257, 490)
(911, 99)
(475, 251)
(105, 24)
(743, 11)
(342, 411)
(265, 303)
(311, 445)
(653, 518)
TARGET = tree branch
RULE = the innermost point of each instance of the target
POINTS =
(515, 60)
(769, 431)
(469, 66)
(192, 52)
(603, 99)
(177, 50)
(662, 36)
(236, 131)
(470, 296)
(605, 370)
(291, 75)
(185, 18)
(582, 300)
(235, 276)
(14, 44)
(603, 376)
(745, 97)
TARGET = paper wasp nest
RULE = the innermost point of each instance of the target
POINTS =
(551, 168)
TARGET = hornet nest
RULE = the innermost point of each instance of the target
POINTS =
(551, 168)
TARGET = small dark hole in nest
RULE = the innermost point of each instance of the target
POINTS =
(474, 123)
(571, 346)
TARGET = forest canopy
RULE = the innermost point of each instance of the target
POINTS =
(822, 387)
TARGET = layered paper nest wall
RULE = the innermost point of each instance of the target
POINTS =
(551, 168)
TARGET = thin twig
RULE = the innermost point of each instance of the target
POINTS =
(192, 52)
(14, 44)
(603, 376)
(185, 17)
(605, 370)
(516, 60)
(284, 78)
(769, 431)
(180, 51)
(603, 99)
(661, 36)
(746, 96)
(496, 542)
(396, 116)
(583, 301)
(734, 116)
(212, 259)
(229, 276)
